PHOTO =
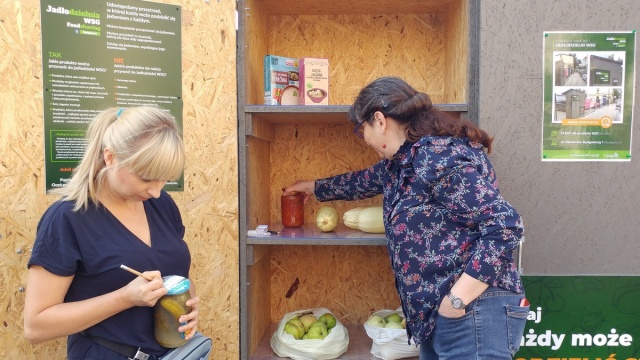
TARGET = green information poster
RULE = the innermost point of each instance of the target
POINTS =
(582, 318)
(588, 96)
(100, 54)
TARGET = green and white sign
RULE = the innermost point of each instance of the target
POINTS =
(582, 318)
(100, 54)
(588, 96)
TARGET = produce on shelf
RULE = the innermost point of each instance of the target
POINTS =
(327, 218)
(391, 321)
(367, 219)
(376, 321)
(307, 326)
(350, 218)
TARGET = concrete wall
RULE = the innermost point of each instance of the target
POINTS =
(580, 217)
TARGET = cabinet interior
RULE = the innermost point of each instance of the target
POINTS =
(423, 41)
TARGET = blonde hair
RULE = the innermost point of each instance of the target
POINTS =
(144, 139)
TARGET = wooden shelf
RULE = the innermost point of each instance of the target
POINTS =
(327, 115)
(359, 345)
(310, 235)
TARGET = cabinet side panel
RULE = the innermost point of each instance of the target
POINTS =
(256, 47)
(457, 53)
(351, 281)
(259, 295)
(361, 48)
(257, 182)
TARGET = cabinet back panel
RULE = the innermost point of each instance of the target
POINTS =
(361, 48)
(351, 281)
(312, 152)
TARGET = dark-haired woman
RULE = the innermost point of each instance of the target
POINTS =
(450, 233)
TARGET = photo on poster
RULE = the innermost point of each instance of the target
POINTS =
(588, 96)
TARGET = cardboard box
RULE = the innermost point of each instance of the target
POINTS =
(314, 81)
(281, 80)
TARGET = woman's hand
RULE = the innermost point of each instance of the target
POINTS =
(141, 292)
(447, 310)
(304, 186)
(190, 320)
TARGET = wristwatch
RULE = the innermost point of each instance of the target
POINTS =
(456, 302)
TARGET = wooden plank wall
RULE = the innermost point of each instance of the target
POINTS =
(208, 203)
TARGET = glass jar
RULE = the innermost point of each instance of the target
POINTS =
(292, 209)
(168, 310)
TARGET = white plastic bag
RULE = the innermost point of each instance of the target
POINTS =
(390, 344)
(331, 347)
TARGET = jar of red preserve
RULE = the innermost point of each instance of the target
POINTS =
(292, 209)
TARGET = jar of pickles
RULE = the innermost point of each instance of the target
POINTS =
(292, 209)
(168, 310)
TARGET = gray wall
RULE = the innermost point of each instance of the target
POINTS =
(580, 217)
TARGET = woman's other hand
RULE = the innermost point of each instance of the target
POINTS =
(190, 320)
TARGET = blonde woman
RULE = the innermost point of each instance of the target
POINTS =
(113, 211)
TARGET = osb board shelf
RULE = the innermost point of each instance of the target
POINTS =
(359, 345)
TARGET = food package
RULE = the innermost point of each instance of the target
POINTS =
(331, 347)
(390, 344)
(281, 80)
(314, 81)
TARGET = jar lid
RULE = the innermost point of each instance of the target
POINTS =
(175, 284)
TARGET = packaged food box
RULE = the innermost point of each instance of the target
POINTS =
(281, 80)
(314, 81)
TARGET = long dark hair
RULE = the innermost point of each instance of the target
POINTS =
(413, 110)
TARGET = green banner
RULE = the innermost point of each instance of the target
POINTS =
(588, 96)
(582, 318)
(100, 54)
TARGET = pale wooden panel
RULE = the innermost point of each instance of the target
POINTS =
(209, 202)
(457, 53)
(361, 48)
(256, 30)
(351, 281)
(337, 277)
(259, 302)
(316, 151)
(258, 170)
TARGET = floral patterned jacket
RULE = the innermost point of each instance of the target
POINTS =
(443, 215)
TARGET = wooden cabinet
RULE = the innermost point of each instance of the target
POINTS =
(430, 43)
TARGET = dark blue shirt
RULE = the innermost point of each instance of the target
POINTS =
(91, 245)
(443, 216)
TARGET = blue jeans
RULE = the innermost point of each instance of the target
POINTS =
(491, 329)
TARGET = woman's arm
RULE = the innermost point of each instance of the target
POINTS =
(47, 316)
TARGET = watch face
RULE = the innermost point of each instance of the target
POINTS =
(457, 303)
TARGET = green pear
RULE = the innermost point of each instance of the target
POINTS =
(328, 319)
(319, 324)
(376, 321)
(393, 325)
(317, 331)
(395, 317)
(307, 320)
(293, 330)
(298, 324)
